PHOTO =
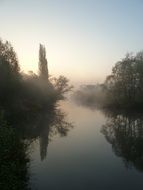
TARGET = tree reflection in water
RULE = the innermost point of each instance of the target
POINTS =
(17, 132)
(125, 133)
(52, 125)
(44, 126)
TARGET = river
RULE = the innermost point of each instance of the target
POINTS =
(88, 150)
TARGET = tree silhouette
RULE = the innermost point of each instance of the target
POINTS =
(9, 74)
(124, 85)
(8, 56)
(43, 67)
(61, 86)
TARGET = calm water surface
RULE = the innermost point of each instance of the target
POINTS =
(89, 150)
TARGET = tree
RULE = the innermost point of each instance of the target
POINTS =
(43, 68)
(9, 73)
(8, 56)
(124, 85)
(61, 86)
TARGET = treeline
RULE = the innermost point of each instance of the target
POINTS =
(20, 92)
(122, 89)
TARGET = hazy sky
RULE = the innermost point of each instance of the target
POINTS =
(83, 38)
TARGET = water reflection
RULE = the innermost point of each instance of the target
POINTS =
(14, 160)
(124, 131)
(18, 130)
(43, 127)
(52, 124)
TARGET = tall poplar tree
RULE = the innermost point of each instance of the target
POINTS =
(43, 64)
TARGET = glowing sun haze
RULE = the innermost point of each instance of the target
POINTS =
(83, 38)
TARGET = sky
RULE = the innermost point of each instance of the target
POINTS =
(83, 38)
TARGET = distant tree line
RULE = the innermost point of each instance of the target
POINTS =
(91, 96)
(122, 89)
